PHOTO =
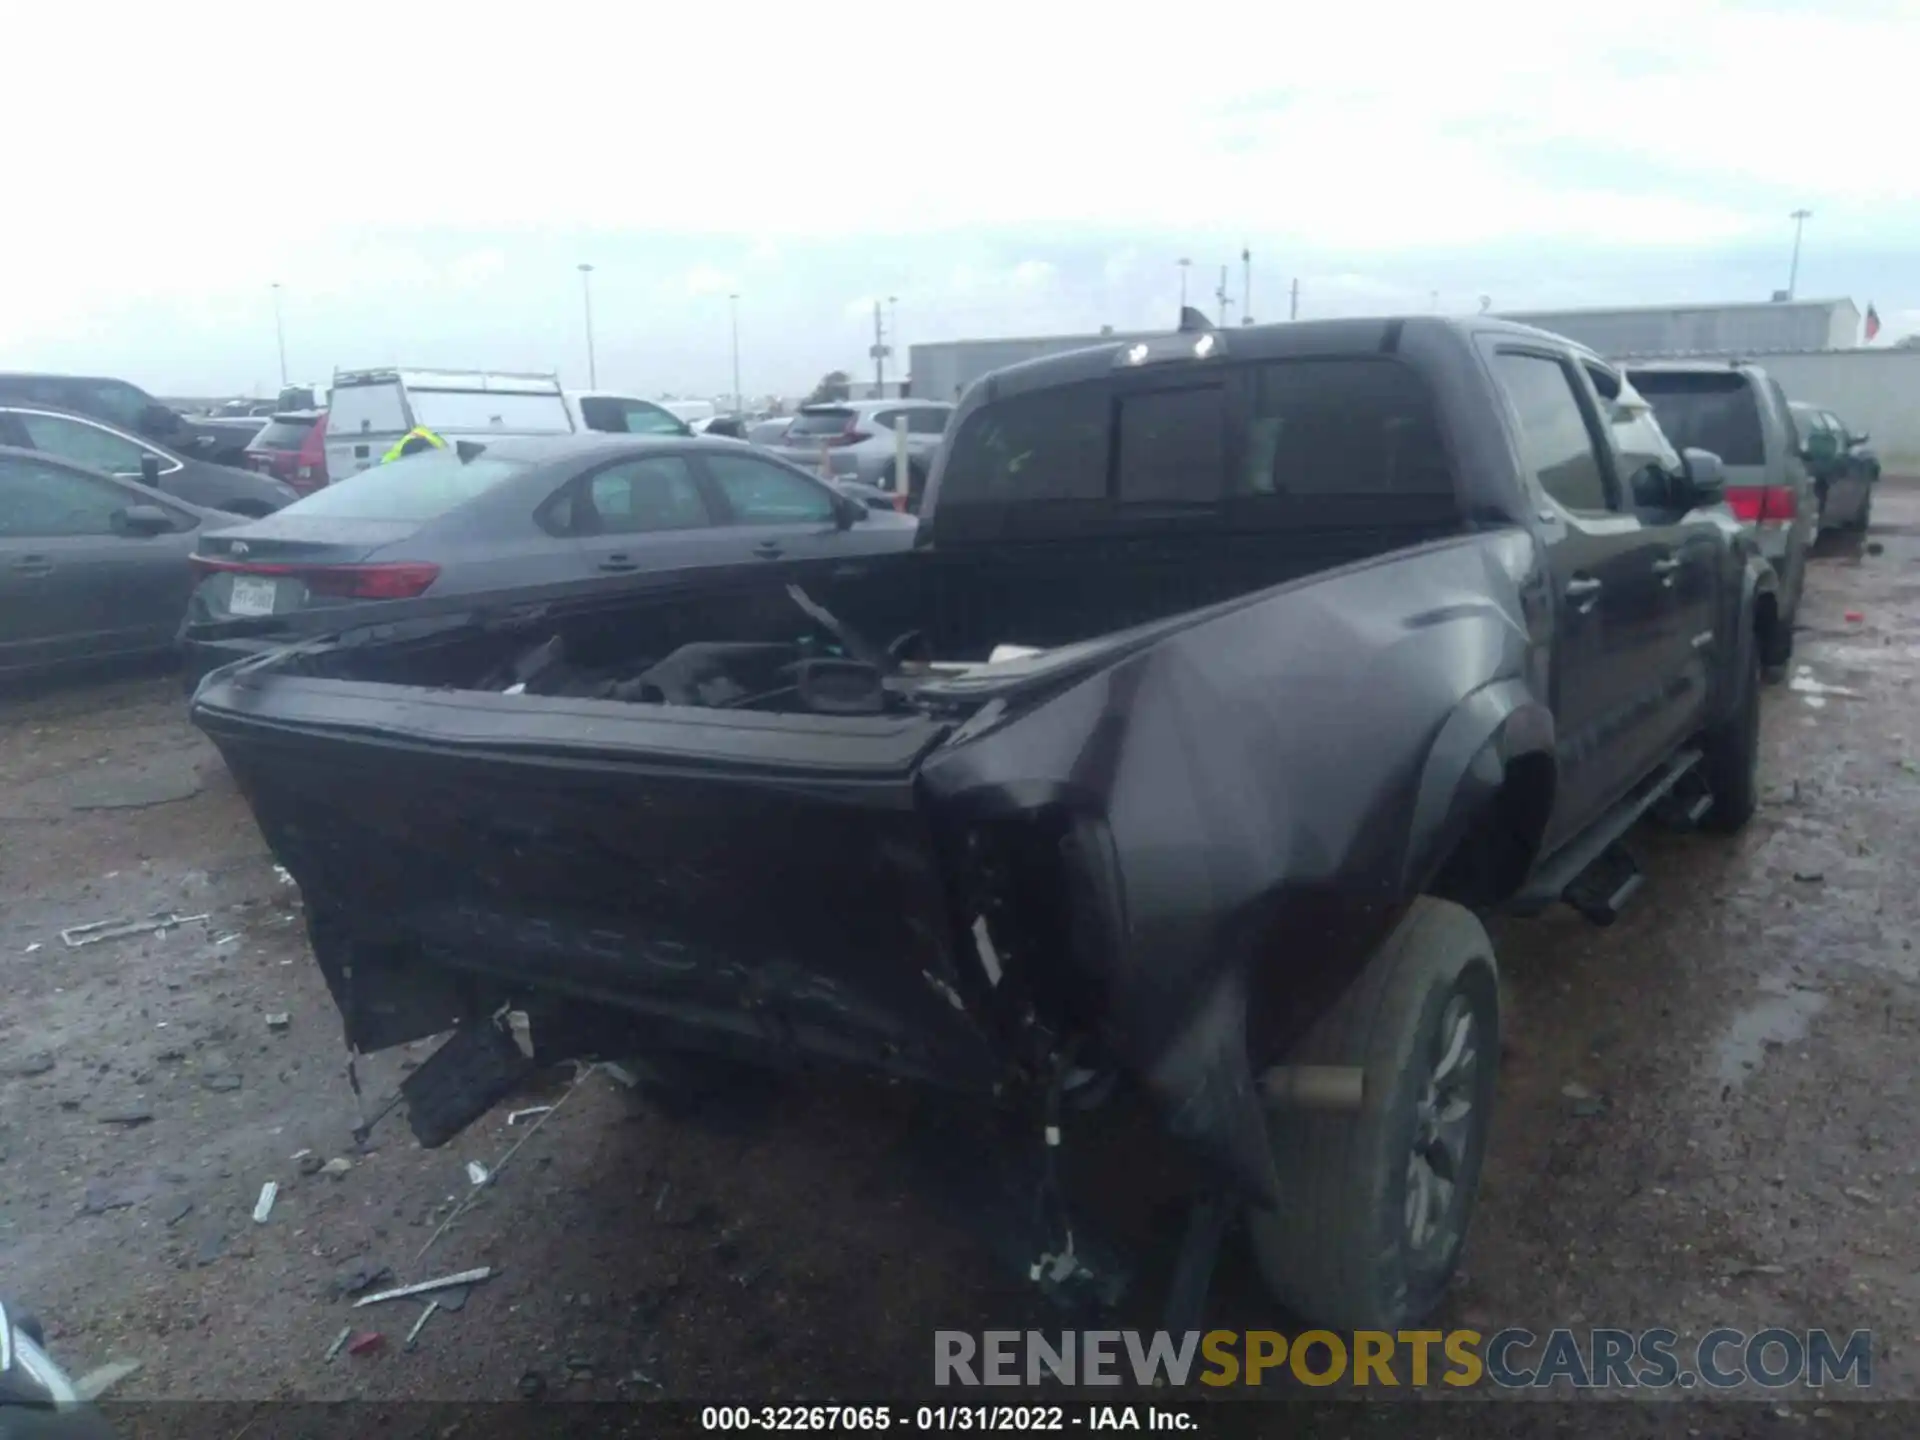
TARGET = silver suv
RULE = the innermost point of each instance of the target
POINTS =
(857, 439)
(1741, 414)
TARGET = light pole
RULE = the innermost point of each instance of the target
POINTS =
(586, 297)
(1183, 264)
(280, 334)
(733, 312)
(1799, 218)
(893, 335)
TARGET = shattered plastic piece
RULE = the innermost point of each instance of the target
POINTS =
(228, 939)
(279, 1020)
(282, 874)
(337, 1166)
(465, 1277)
(614, 1069)
(366, 1342)
(263, 1207)
(96, 1383)
(425, 1315)
(98, 931)
(339, 1343)
(1854, 617)
(532, 1385)
(514, 1117)
(33, 947)
(477, 1173)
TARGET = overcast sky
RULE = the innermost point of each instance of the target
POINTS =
(422, 180)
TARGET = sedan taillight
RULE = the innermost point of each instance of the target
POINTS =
(400, 580)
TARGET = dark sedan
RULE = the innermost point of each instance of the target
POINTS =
(524, 513)
(97, 445)
(92, 567)
(1844, 470)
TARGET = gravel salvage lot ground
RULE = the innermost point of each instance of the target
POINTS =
(1706, 1116)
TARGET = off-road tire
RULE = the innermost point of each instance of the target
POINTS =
(1336, 1250)
(1731, 762)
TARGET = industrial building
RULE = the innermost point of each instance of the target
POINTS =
(1746, 329)
(1813, 347)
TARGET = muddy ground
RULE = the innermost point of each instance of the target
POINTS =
(1707, 1114)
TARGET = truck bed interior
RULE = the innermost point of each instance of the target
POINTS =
(923, 615)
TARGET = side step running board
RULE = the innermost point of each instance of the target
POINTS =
(1595, 874)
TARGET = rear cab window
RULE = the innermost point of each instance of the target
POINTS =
(418, 487)
(1706, 410)
(1337, 442)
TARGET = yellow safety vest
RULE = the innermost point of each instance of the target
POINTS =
(419, 432)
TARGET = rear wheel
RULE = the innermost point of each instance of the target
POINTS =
(1375, 1204)
(1863, 518)
(1731, 763)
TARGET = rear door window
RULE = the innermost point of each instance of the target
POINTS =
(1555, 438)
(39, 500)
(638, 497)
(1706, 410)
(366, 410)
(928, 421)
(91, 445)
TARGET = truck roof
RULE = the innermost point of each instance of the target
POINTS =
(503, 382)
(1292, 339)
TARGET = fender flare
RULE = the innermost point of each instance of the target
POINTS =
(1466, 766)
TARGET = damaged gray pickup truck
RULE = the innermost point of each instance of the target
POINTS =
(1235, 675)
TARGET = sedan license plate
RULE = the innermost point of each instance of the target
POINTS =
(252, 597)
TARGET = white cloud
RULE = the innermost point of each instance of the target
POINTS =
(704, 280)
(514, 149)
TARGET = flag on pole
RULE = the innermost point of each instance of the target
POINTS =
(1873, 321)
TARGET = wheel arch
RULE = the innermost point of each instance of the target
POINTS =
(1485, 797)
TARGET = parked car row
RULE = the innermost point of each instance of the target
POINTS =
(1791, 468)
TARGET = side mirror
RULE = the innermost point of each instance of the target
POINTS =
(847, 510)
(1706, 479)
(145, 520)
